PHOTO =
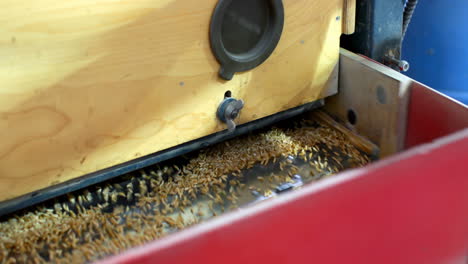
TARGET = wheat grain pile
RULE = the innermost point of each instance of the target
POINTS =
(110, 218)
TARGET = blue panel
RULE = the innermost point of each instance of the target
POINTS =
(436, 45)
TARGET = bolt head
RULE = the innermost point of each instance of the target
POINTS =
(403, 65)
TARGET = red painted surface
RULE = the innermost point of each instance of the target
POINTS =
(432, 115)
(412, 208)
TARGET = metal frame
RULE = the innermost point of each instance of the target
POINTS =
(378, 92)
(378, 29)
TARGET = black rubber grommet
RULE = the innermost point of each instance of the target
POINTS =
(244, 33)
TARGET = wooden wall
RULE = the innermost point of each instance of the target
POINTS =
(88, 84)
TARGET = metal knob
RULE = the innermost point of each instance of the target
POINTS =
(228, 111)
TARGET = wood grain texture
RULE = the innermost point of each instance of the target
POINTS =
(349, 16)
(85, 85)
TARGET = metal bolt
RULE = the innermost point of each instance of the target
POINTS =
(402, 65)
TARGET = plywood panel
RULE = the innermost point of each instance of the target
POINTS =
(86, 84)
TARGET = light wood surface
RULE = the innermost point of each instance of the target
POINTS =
(86, 84)
(349, 16)
(379, 98)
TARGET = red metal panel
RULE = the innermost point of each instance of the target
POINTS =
(432, 115)
(412, 208)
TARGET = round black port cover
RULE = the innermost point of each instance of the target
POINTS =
(244, 33)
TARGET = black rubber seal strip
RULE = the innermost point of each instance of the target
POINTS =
(232, 63)
(30, 199)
